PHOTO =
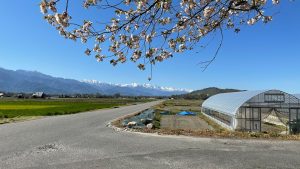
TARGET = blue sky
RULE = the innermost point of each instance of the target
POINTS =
(259, 57)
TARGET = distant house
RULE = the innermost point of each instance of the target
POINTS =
(39, 95)
(20, 95)
(1, 95)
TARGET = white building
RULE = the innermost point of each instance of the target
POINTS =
(38, 95)
(247, 110)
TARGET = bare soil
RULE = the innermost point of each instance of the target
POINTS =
(184, 122)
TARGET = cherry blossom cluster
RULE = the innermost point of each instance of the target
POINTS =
(150, 31)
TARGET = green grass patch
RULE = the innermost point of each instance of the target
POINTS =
(24, 107)
(157, 119)
(49, 107)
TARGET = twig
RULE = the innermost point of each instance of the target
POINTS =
(216, 54)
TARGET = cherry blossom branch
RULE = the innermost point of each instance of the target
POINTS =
(151, 31)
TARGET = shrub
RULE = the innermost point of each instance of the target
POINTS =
(156, 124)
(156, 120)
(255, 134)
(274, 134)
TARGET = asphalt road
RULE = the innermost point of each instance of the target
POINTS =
(82, 141)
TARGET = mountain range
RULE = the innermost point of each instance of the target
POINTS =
(33, 81)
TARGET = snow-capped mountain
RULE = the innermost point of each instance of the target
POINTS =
(33, 81)
(149, 86)
(136, 89)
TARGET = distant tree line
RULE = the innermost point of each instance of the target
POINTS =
(99, 95)
(78, 95)
(191, 96)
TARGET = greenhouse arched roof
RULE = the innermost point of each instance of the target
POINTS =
(229, 103)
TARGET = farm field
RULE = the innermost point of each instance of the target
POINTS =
(14, 108)
(176, 122)
(176, 105)
(184, 122)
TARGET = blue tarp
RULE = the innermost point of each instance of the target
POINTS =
(186, 113)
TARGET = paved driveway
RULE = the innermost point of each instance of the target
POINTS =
(82, 141)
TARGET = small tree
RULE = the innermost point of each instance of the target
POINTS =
(150, 31)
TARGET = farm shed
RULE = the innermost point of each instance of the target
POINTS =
(38, 95)
(249, 110)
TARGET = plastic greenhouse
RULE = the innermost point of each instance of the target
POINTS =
(251, 110)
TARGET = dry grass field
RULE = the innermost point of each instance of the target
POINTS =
(177, 105)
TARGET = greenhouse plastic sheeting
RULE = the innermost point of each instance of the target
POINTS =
(229, 103)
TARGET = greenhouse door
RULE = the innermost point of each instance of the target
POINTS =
(253, 119)
(294, 121)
